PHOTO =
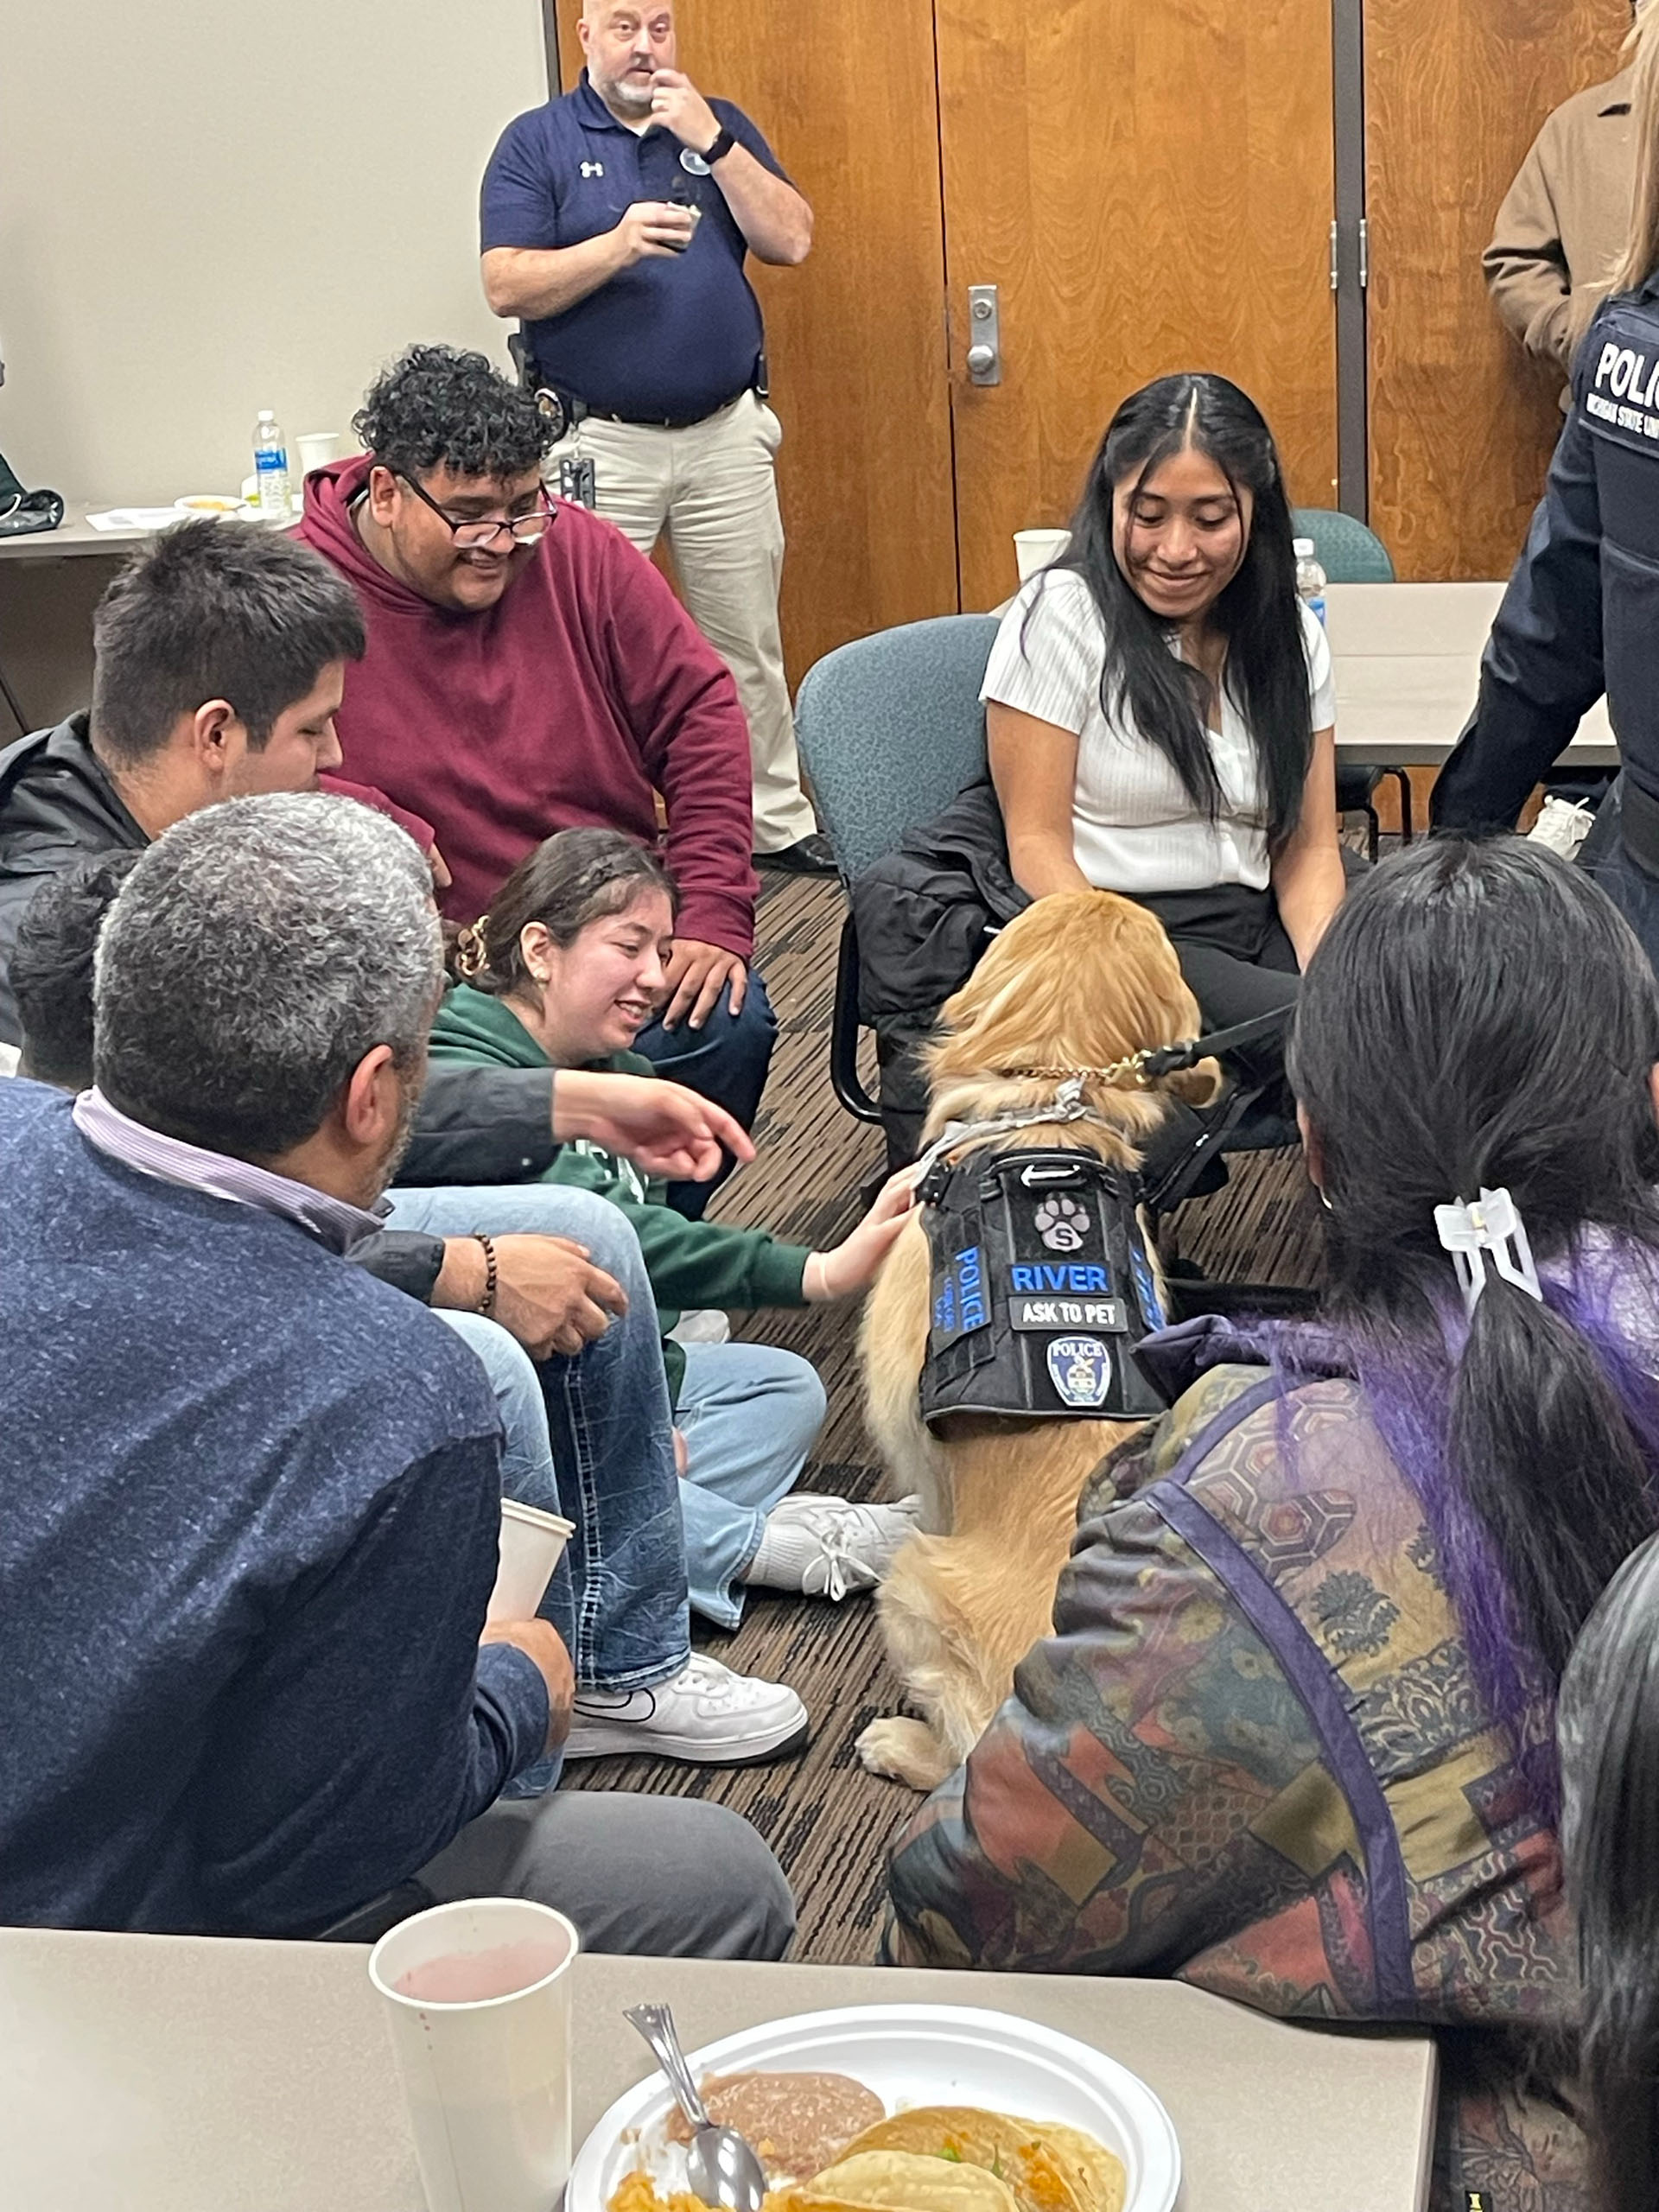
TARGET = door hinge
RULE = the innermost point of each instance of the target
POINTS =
(1364, 253)
(1335, 274)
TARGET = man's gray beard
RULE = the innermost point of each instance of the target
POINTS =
(625, 95)
(401, 1135)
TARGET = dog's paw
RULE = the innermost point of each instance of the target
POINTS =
(903, 1750)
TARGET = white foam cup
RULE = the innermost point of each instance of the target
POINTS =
(487, 2079)
(1035, 549)
(531, 1544)
(316, 448)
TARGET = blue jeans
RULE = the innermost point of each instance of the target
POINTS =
(611, 1435)
(749, 1414)
(726, 1060)
(526, 1475)
(527, 1453)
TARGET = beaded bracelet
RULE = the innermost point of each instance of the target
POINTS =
(486, 1304)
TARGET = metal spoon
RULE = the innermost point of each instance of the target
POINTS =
(721, 2166)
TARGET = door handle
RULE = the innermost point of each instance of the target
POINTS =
(984, 335)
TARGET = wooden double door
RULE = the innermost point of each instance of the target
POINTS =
(1150, 186)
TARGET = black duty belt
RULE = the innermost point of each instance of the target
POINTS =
(566, 409)
(1042, 1286)
(578, 410)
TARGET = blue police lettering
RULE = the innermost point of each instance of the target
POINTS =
(1079, 1280)
(970, 1289)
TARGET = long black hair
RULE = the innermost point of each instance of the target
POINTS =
(1479, 1015)
(1609, 1731)
(1257, 613)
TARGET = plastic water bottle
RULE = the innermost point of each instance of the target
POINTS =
(271, 466)
(1310, 576)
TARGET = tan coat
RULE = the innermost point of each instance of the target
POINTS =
(1564, 222)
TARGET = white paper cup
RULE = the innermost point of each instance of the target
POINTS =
(531, 1544)
(1035, 549)
(487, 2079)
(316, 448)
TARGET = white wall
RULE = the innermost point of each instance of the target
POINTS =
(171, 261)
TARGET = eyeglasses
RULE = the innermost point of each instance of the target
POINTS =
(483, 530)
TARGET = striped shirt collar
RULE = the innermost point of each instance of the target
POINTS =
(334, 1222)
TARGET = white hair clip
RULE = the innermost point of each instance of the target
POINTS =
(1491, 1224)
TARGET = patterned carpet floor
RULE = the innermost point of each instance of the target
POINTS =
(827, 1820)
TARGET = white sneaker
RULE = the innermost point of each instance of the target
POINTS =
(706, 1715)
(705, 1325)
(1562, 825)
(826, 1546)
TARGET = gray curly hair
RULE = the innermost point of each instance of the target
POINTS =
(257, 951)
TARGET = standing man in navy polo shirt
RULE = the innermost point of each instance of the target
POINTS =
(615, 223)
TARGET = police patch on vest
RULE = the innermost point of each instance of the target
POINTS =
(693, 163)
(1081, 1369)
(959, 1304)
(1623, 392)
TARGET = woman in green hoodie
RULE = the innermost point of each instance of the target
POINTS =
(564, 970)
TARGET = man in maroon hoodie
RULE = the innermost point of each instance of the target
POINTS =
(528, 672)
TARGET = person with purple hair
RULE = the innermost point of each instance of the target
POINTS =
(1292, 1737)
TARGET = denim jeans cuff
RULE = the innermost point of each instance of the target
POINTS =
(636, 1678)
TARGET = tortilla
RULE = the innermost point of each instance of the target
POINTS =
(909, 2181)
(1104, 2180)
(1048, 2169)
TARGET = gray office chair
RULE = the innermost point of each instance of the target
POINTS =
(890, 728)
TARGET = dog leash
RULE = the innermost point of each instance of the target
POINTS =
(1140, 1070)
(1152, 1061)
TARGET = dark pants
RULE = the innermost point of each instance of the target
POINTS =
(726, 1060)
(670, 1877)
(1237, 960)
(1632, 888)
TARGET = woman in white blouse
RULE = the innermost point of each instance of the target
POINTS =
(1160, 703)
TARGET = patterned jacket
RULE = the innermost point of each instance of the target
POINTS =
(1252, 1756)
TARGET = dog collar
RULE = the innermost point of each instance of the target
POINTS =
(1067, 1105)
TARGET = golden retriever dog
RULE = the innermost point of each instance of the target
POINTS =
(1080, 980)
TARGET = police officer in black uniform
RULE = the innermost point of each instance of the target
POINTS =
(1581, 614)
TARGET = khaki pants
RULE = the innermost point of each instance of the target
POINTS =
(712, 489)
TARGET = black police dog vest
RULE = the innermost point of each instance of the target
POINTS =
(1041, 1289)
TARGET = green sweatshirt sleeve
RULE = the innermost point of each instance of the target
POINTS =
(692, 1263)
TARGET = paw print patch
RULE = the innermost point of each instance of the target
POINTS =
(1062, 1223)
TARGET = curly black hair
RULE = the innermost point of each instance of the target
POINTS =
(437, 404)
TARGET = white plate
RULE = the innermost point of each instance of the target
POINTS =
(910, 2055)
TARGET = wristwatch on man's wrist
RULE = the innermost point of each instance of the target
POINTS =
(721, 147)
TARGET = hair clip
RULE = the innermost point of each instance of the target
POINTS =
(1490, 1224)
(472, 955)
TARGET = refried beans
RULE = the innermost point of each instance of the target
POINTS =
(797, 2123)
